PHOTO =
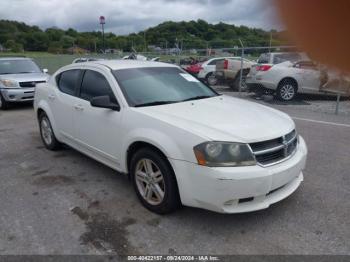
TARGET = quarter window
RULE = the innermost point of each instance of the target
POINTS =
(68, 81)
(95, 84)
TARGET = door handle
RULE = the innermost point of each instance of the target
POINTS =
(79, 107)
(51, 97)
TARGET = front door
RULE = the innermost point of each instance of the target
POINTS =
(98, 129)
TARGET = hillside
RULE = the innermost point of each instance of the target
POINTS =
(17, 36)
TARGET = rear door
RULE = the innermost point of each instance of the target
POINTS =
(211, 66)
(98, 129)
(62, 100)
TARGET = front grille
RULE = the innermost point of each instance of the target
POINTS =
(275, 150)
(30, 83)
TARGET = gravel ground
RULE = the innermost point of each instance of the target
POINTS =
(66, 203)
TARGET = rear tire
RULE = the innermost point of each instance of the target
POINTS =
(47, 134)
(287, 90)
(235, 85)
(211, 79)
(154, 181)
(3, 103)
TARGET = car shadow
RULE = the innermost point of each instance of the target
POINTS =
(20, 106)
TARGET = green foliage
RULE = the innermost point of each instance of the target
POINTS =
(188, 35)
(13, 46)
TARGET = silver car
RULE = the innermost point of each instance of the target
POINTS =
(18, 78)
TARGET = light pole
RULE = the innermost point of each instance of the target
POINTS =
(102, 22)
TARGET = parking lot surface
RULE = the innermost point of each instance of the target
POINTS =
(66, 203)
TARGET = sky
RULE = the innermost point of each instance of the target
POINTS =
(127, 16)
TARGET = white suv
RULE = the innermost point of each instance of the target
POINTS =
(179, 141)
(207, 73)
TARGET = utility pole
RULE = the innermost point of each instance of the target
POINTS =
(102, 22)
(270, 41)
(241, 72)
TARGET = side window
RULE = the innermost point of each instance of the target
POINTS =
(264, 59)
(215, 61)
(95, 84)
(67, 81)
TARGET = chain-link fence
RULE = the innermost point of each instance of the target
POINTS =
(316, 86)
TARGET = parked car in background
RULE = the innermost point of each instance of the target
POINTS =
(171, 133)
(208, 68)
(134, 56)
(228, 71)
(286, 74)
(18, 79)
(194, 69)
(86, 59)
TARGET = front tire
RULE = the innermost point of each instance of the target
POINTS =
(287, 90)
(3, 103)
(46, 132)
(154, 181)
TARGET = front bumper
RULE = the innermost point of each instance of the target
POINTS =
(239, 189)
(18, 94)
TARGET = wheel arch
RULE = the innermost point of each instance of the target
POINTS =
(137, 145)
(44, 108)
(288, 78)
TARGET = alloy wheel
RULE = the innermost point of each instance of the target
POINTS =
(150, 181)
(212, 80)
(46, 130)
(287, 92)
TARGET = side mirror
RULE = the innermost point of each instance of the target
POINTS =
(104, 102)
(45, 70)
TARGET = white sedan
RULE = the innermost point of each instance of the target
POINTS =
(178, 140)
(286, 75)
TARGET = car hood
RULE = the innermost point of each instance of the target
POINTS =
(28, 77)
(224, 118)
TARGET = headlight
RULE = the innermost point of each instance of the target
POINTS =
(218, 154)
(8, 83)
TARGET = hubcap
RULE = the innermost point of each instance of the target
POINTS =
(287, 92)
(150, 181)
(46, 131)
(212, 80)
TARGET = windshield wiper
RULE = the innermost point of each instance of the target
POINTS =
(196, 98)
(156, 103)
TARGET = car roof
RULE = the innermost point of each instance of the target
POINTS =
(14, 58)
(125, 64)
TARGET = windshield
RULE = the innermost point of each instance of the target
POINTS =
(160, 85)
(18, 67)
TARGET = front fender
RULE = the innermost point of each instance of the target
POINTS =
(163, 142)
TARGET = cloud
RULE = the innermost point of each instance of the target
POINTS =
(123, 17)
